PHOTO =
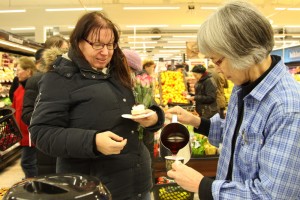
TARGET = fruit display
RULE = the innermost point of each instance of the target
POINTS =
(172, 87)
(166, 189)
(202, 147)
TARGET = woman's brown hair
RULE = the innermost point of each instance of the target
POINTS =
(93, 22)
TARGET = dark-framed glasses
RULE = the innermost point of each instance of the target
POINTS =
(219, 62)
(99, 45)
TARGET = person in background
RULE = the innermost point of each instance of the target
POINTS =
(181, 68)
(205, 92)
(78, 114)
(13, 87)
(260, 133)
(46, 164)
(57, 41)
(149, 67)
(220, 81)
(25, 69)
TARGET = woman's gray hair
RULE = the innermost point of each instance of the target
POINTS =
(239, 32)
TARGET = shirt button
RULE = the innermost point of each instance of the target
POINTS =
(132, 132)
(140, 195)
(124, 100)
(93, 76)
(138, 165)
(68, 75)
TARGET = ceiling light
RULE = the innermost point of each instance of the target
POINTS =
(145, 36)
(176, 41)
(280, 8)
(191, 25)
(170, 51)
(174, 47)
(22, 28)
(144, 42)
(144, 47)
(293, 9)
(11, 44)
(12, 11)
(147, 26)
(184, 36)
(209, 8)
(71, 9)
(151, 8)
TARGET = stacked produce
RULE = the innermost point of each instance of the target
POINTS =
(201, 146)
(172, 87)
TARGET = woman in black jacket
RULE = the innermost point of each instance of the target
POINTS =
(205, 92)
(77, 117)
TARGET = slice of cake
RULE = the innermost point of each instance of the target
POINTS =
(138, 109)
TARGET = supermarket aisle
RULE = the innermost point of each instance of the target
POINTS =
(11, 174)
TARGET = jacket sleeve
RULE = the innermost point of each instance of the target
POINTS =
(31, 92)
(50, 119)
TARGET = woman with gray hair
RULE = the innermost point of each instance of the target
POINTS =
(260, 134)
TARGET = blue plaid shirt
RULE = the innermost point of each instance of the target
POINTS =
(266, 159)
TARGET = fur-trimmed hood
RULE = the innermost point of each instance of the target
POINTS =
(49, 56)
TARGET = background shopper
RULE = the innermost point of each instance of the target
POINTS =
(77, 117)
(25, 69)
(46, 164)
(260, 134)
(205, 96)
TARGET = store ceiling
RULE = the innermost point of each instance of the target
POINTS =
(171, 26)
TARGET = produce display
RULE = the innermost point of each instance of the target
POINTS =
(172, 87)
(202, 147)
(166, 189)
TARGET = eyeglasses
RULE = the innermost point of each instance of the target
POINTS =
(99, 45)
(219, 62)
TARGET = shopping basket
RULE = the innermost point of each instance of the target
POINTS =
(10, 133)
(171, 191)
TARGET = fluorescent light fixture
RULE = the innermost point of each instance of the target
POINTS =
(290, 9)
(12, 11)
(71, 9)
(176, 41)
(286, 41)
(209, 8)
(292, 26)
(22, 28)
(191, 25)
(147, 26)
(145, 47)
(71, 27)
(151, 8)
(296, 36)
(11, 44)
(293, 9)
(174, 47)
(280, 8)
(145, 36)
(144, 42)
(164, 55)
(279, 36)
(184, 36)
(169, 51)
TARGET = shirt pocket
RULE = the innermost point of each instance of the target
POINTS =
(248, 153)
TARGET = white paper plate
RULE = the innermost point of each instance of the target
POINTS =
(129, 116)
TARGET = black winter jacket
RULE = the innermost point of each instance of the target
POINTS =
(206, 96)
(76, 102)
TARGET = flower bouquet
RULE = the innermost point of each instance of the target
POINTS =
(143, 93)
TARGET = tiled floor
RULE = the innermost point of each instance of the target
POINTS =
(11, 174)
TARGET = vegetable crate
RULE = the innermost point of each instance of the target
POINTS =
(10, 133)
(171, 191)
